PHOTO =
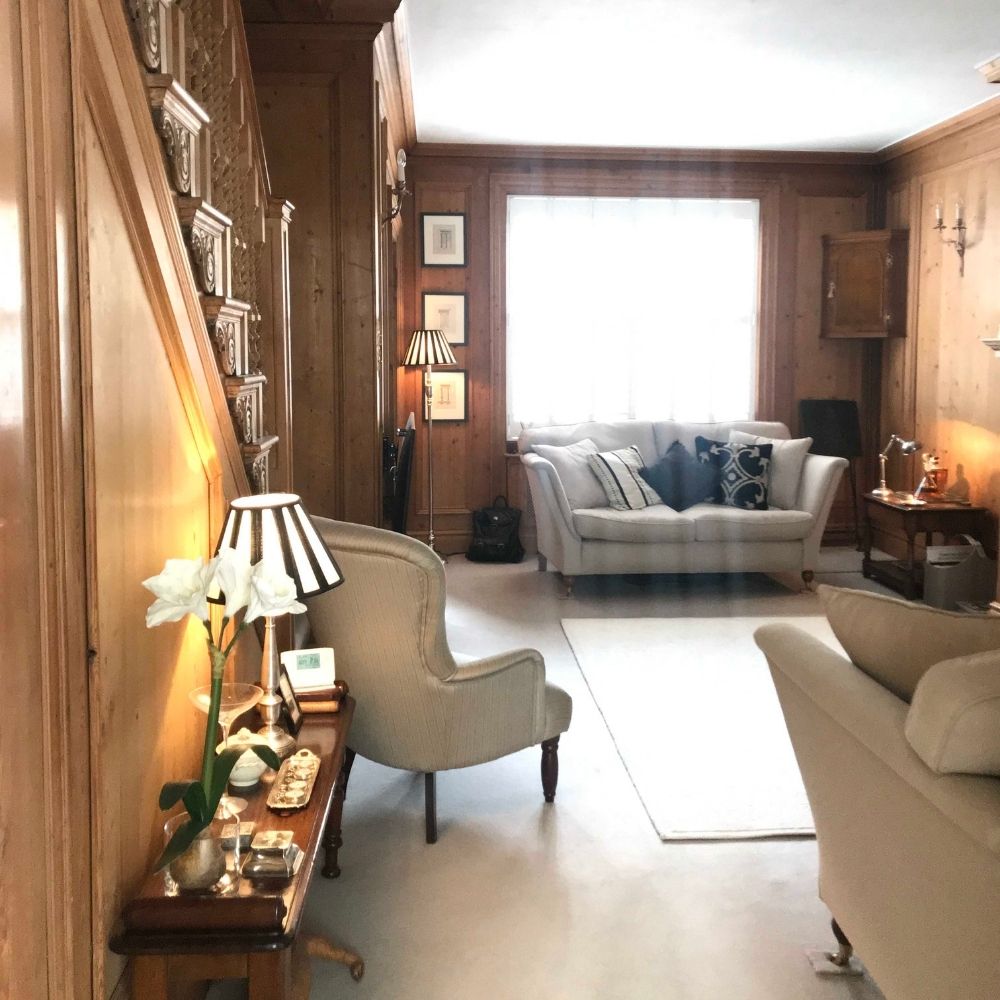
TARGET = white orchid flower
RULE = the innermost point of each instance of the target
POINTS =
(272, 593)
(181, 589)
(232, 574)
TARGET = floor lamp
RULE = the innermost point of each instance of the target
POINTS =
(429, 348)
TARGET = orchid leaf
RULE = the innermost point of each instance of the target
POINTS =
(267, 755)
(182, 839)
(196, 804)
(172, 792)
(225, 761)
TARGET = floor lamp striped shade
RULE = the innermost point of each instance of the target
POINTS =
(429, 347)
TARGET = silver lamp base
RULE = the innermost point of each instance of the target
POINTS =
(282, 743)
(883, 492)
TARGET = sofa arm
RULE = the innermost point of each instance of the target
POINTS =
(821, 476)
(816, 682)
(555, 499)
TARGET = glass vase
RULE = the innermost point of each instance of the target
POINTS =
(206, 867)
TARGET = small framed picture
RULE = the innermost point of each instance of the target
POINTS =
(290, 710)
(446, 311)
(448, 395)
(443, 239)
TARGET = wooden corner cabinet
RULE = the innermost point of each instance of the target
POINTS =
(864, 284)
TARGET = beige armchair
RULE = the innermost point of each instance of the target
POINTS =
(418, 709)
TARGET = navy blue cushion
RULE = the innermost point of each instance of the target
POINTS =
(744, 471)
(680, 479)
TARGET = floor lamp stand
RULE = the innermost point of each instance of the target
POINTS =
(429, 397)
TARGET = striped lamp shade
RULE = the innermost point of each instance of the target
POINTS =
(429, 347)
(275, 528)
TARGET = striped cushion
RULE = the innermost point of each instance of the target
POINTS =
(618, 472)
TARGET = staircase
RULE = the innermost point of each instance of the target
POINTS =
(197, 75)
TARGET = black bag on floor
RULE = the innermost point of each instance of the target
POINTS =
(494, 534)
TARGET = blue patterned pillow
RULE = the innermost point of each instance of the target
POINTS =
(744, 471)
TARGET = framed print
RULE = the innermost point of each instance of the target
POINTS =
(446, 311)
(448, 387)
(442, 237)
(290, 709)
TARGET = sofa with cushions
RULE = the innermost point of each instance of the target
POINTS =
(580, 532)
(899, 748)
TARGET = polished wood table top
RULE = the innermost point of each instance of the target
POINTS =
(259, 917)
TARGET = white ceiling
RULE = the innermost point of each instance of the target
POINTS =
(739, 74)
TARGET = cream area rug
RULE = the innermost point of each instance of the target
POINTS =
(690, 705)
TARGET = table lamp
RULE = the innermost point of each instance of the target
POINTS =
(907, 448)
(429, 348)
(275, 528)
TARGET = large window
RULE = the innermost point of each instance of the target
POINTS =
(630, 307)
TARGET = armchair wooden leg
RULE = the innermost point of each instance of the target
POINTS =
(543, 563)
(807, 578)
(550, 768)
(568, 583)
(430, 807)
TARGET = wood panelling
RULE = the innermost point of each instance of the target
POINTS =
(45, 940)
(799, 202)
(941, 383)
(161, 460)
(152, 500)
(825, 368)
(302, 107)
(318, 84)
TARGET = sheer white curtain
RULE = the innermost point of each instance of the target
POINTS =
(630, 307)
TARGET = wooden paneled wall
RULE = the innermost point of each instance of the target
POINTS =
(118, 453)
(335, 89)
(45, 929)
(800, 201)
(940, 383)
(160, 462)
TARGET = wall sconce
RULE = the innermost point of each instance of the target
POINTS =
(959, 229)
(399, 189)
(907, 448)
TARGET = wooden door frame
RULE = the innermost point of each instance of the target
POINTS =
(49, 76)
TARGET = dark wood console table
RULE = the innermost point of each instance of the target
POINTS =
(179, 941)
(906, 575)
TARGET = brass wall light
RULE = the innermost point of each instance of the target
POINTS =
(958, 229)
(399, 189)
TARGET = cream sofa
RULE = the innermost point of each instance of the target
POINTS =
(909, 857)
(706, 538)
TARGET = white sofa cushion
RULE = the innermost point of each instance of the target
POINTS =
(651, 524)
(954, 721)
(607, 435)
(618, 473)
(787, 457)
(716, 523)
(895, 642)
(583, 488)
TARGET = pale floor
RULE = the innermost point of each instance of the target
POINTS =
(579, 900)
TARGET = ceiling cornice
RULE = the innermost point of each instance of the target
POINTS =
(970, 119)
(644, 155)
(320, 11)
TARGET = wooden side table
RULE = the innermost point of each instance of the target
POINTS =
(178, 941)
(906, 575)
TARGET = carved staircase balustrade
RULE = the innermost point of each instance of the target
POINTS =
(201, 98)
